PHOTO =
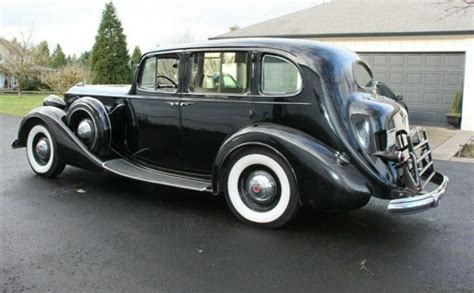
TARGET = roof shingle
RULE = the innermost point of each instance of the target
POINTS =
(366, 17)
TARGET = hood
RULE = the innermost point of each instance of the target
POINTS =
(114, 90)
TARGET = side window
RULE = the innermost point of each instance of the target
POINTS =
(147, 80)
(167, 80)
(219, 72)
(160, 74)
(279, 76)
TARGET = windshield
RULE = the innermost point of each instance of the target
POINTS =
(362, 75)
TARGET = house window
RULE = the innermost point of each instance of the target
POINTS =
(279, 76)
(1, 57)
(219, 72)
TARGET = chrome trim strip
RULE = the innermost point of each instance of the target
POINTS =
(221, 99)
(420, 202)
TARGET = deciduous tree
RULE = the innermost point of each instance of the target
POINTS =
(19, 59)
(60, 80)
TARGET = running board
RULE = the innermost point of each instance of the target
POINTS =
(126, 169)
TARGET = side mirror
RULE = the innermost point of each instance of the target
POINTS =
(399, 98)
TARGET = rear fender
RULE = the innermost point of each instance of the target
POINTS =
(324, 181)
(73, 151)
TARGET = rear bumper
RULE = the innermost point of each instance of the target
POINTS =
(421, 201)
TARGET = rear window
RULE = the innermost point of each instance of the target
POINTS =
(362, 75)
(279, 76)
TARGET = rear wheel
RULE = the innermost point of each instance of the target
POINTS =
(260, 188)
(42, 152)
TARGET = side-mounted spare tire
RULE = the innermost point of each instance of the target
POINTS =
(88, 119)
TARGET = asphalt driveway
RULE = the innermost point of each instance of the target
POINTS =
(122, 235)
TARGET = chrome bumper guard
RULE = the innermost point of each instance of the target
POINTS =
(422, 201)
(417, 172)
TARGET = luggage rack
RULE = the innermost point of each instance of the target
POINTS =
(417, 167)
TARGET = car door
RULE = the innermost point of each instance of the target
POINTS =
(217, 102)
(156, 112)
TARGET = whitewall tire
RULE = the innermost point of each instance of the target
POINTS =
(42, 153)
(260, 188)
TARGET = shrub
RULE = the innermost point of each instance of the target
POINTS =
(64, 78)
(456, 105)
(30, 84)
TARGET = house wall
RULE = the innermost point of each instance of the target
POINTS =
(423, 44)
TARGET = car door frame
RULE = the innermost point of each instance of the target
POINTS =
(165, 99)
(254, 101)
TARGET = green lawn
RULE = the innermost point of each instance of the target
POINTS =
(20, 105)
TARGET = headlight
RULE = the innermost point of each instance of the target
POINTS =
(364, 132)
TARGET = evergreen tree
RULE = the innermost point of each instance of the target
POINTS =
(41, 54)
(136, 55)
(58, 59)
(84, 58)
(109, 56)
(71, 59)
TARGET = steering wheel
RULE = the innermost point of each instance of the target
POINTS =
(169, 79)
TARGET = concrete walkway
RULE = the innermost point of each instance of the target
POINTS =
(446, 142)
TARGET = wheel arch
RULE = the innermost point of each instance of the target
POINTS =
(25, 128)
(45, 115)
(323, 181)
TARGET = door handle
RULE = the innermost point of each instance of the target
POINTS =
(173, 103)
(185, 104)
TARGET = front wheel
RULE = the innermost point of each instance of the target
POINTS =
(42, 152)
(260, 188)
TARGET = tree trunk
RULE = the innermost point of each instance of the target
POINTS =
(18, 87)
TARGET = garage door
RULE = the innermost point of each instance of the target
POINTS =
(427, 81)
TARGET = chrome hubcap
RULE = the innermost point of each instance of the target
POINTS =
(85, 129)
(42, 149)
(261, 187)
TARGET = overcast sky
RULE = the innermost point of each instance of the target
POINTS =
(147, 24)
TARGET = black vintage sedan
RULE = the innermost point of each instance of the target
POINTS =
(274, 124)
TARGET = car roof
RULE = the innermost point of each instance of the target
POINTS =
(285, 44)
(306, 51)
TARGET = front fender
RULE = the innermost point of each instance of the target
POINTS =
(73, 151)
(324, 181)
